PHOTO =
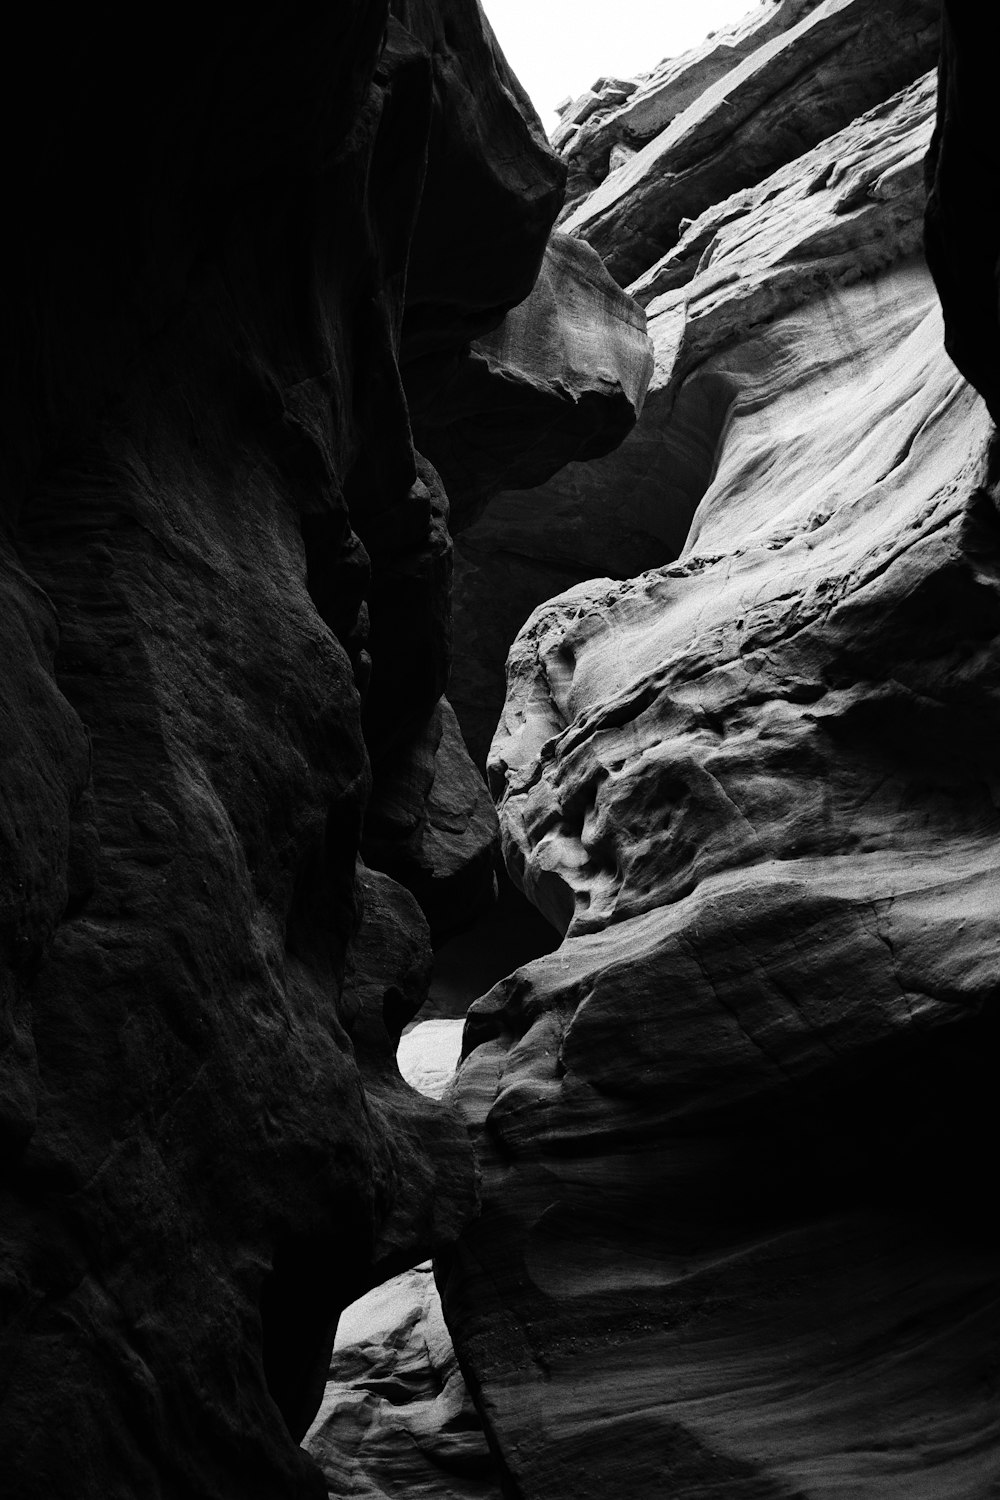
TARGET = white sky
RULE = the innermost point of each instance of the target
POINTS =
(558, 47)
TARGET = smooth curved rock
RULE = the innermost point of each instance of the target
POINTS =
(432, 826)
(396, 1417)
(734, 1130)
(563, 377)
(847, 208)
(215, 543)
(838, 60)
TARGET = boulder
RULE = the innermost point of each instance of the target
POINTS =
(396, 1416)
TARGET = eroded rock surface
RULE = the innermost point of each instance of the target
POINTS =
(733, 1131)
(224, 598)
(851, 206)
(727, 1128)
(801, 85)
(396, 1416)
(565, 373)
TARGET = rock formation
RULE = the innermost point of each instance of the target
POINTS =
(734, 1130)
(851, 206)
(288, 313)
(787, 92)
(396, 1416)
(242, 257)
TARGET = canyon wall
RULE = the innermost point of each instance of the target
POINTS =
(735, 1131)
(247, 262)
(708, 1195)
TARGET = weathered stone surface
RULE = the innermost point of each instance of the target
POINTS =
(848, 207)
(396, 1416)
(216, 543)
(838, 60)
(432, 826)
(733, 1129)
(563, 377)
(655, 99)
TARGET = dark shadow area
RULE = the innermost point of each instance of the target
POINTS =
(511, 933)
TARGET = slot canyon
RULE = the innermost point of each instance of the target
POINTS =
(499, 844)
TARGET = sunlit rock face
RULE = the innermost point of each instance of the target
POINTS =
(852, 205)
(396, 1417)
(239, 258)
(734, 1130)
(817, 68)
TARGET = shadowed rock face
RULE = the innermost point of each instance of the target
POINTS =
(566, 372)
(396, 1416)
(734, 1130)
(224, 605)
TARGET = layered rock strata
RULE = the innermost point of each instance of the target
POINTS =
(851, 206)
(734, 1130)
(609, 123)
(800, 85)
(224, 596)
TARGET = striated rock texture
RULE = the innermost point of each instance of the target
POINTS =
(396, 1417)
(224, 605)
(564, 374)
(849, 207)
(800, 85)
(606, 126)
(734, 1131)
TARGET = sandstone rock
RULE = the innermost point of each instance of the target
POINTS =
(733, 1129)
(848, 207)
(210, 503)
(396, 1417)
(432, 826)
(839, 59)
(563, 377)
(660, 96)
